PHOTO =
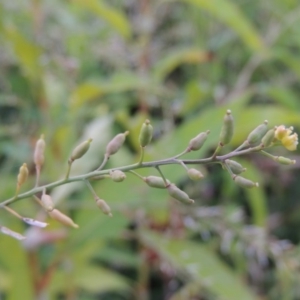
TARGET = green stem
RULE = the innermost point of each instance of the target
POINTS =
(183, 165)
(38, 172)
(268, 154)
(187, 150)
(228, 169)
(127, 168)
(162, 175)
(142, 155)
(136, 174)
(69, 169)
(241, 146)
(106, 157)
(91, 189)
(217, 151)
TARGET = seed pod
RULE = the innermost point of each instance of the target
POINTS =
(179, 195)
(145, 134)
(104, 207)
(195, 174)
(257, 134)
(39, 150)
(117, 175)
(156, 182)
(80, 150)
(235, 167)
(197, 142)
(243, 182)
(23, 174)
(47, 202)
(227, 129)
(116, 143)
(268, 138)
(62, 218)
(285, 161)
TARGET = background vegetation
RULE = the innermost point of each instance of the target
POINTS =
(90, 68)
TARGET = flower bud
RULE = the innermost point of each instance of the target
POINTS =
(116, 143)
(257, 134)
(156, 182)
(227, 129)
(197, 142)
(80, 150)
(268, 138)
(145, 134)
(235, 167)
(104, 207)
(23, 174)
(243, 182)
(39, 150)
(178, 194)
(117, 175)
(62, 218)
(47, 202)
(195, 174)
(285, 161)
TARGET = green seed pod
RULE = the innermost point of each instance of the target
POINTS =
(117, 175)
(235, 167)
(104, 207)
(285, 161)
(80, 150)
(145, 134)
(23, 174)
(243, 182)
(195, 174)
(227, 129)
(39, 150)
(62, 218)
(257, 134)
(156, 182)
(197, 142)
(179, 195)
(268, 138)
(116, 143)
(47, 202)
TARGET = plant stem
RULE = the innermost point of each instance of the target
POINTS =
(187, 150)
(91, 189)
(151, 164)
(162, 175)
(69, 169)
(142, 155)
(106, 157)
(137, 175)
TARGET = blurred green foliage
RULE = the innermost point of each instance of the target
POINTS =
(92, 68)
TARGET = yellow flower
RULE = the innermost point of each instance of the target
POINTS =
(288, 140)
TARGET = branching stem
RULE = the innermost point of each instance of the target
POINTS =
(151, 164)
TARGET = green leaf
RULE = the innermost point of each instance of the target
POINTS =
(15, 259)
(121, 82)
(167, 64)
(289, 59)
(114, 17)
(199, 262)
(282, 95)
(229, 13)
(96, 279)
(26, 52)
